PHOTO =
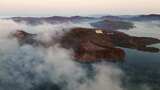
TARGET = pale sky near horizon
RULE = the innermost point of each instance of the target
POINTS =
(77, 7)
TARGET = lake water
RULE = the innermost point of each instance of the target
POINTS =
(142, 69)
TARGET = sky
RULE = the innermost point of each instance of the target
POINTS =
(77, 7)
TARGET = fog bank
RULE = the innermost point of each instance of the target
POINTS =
(35, 68)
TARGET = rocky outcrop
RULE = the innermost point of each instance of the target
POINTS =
(91, 45)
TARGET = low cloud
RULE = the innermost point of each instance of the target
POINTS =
(29, 68)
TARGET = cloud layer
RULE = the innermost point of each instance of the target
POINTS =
(27, 67)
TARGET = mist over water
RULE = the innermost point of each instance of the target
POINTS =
(145, 29)
(37, 68)
(54, 68)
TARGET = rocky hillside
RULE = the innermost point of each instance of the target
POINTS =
(92, 45)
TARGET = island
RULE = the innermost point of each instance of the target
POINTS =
(111, 24)
(92, 45)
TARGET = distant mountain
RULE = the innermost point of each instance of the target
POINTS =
(28, 20)
(111, 18)
(51, 20)
(61, 19)
(149, 17)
